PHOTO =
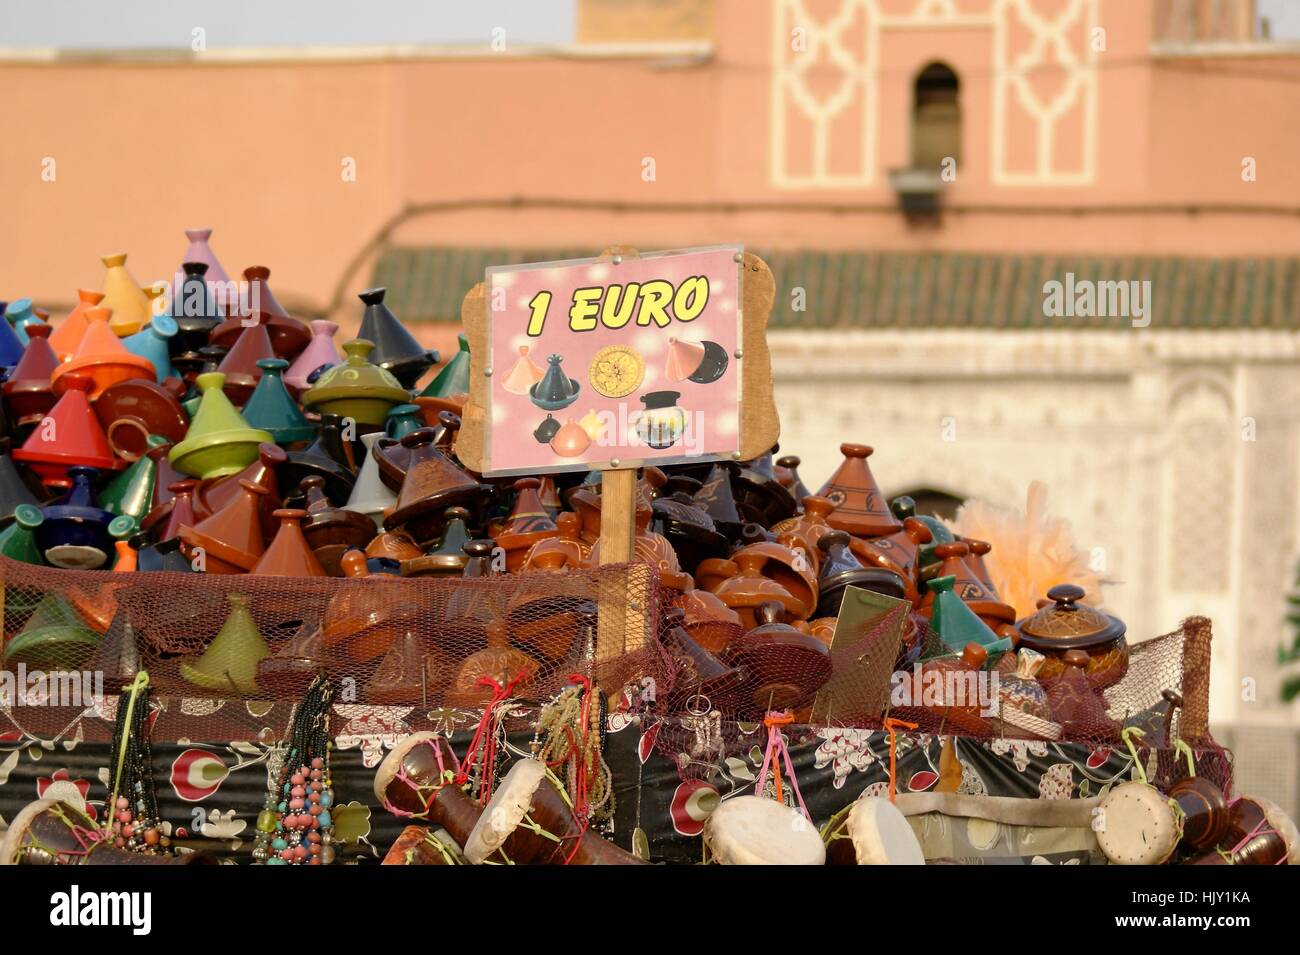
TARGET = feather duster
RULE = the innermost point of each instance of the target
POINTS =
(1032, 551)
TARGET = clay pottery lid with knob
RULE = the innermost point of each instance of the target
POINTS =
(498, 662)
(321, 352)
(899, 553)
(448, 559)
(332, 531)
(131, 492)
(77, 533)
(968, 587)
(393, 457)
(27, 391)
(70, 435)
(330, 456)
(528, 523)
(1062, 624)
(101, 357)
(759, 496)
(451, 385)
(23, 315)
(175, 514)
(18, 539)
(199, 250)
(130, 411)
(749, 588)
(977, 550)
(123, 297)
(288, 554)
(787, 472)
(242, 364)
(152, 343)
(295, 665)
(272, 409)
(230, 540)
(403, 674)
(956, 622)
(367, 613)
(67, 336)
(287, 335)
(219, 440)
(790, 570)
(839, 569)
(230, 661)
(804, 530)
(356, 389)
(686, 525)
(194, 309)
(781, 667)
(396, 350)
(432, 484)
(213, 494)
(860, 507)
(709, 621)
(370, 495)
(574, 551)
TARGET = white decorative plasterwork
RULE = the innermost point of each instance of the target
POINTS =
(803, 122)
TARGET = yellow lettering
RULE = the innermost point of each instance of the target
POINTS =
(615, 311)
(692, 296)
(540, 304)
(586, 306)
(655, 296)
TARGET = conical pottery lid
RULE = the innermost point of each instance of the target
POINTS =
(396, 349)
(242, 364)
(1062, 623)
(70, 434)
(272, 409)
(449, 557)
(288, 336)
(289, 554)
(199, 250)
(528, 523)
(860, 507)
(556, 390)
(523, 375)
(118, 654)
(18, 540)
(403, 419)
(370, 495)
(683, 358)
(11, 346)
(400, 676)
(123, 296)
(131, 492)
(219, 441)
(795, 484)
(320, 352)
(432, 482)
(55, 637)
(153, 343)
(716, 497)
(13, 489)
(330, 456)
(194, 308)
(65, 339)
(164, 474)
(27, 390)
(211, 495)
(357, 378)
(180, 510)
(21, 314)
(230, 661)
(955, 622)
(102, 357)
(232, 535)
(453, 379)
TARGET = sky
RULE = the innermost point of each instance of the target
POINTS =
(155, 24)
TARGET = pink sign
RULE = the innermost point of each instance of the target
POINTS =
(614, 364)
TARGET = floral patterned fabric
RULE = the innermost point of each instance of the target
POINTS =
(211, 789)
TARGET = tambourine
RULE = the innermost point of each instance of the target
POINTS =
(529, 821)
(420, 845)
(871, 831)
(1138, 824)
(754, 830)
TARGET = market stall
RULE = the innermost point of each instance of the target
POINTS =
(268, 601)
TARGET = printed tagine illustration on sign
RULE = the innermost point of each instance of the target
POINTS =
(618, 361)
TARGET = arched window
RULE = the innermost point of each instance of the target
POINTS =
(936, 117)
(934, 503)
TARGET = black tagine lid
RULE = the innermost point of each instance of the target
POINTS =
(660, 399)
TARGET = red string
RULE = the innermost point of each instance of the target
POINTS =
(489, 745)
(580, 807)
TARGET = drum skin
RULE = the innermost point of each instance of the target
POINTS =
(875, 833)
(1138, 826)
(753, 830)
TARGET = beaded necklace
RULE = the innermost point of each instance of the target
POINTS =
(295, 826)
(132, 817)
